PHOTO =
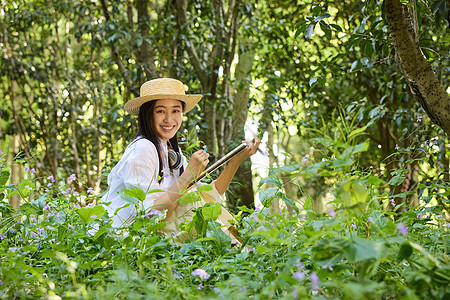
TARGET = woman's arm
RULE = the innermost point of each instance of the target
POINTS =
(228, 173)
(168, 200)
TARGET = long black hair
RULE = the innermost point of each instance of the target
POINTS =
(148, 131)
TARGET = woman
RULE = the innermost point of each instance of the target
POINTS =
(145, 163)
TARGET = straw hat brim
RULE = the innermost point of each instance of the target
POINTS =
(133, 105)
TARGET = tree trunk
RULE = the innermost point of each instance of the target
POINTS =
(145, 58)
(418, 73)
(16, 172)
(275, 207)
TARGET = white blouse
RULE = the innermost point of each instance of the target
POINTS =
(139, 168)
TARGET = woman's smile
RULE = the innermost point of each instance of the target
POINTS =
(168, 115)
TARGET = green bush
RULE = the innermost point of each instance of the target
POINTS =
(359, 249)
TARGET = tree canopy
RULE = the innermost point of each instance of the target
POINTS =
(69, 66)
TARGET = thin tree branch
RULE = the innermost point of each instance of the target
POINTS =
(195, 61)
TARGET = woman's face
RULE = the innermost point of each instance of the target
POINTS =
(168, 115)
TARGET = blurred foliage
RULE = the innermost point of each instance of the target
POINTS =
(323, 67)
(58, 246)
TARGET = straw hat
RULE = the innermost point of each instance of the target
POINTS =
(162, 88)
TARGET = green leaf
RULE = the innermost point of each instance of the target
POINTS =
(397, 179)
(135, 193)
(324, 16)
(287, 200)
(361, 249)
(272, 180)
(205, 188)
(405, 251)
(40, 202)
(309, 30)
(100, 232)
(156, 226)
(245, 209)
(211, 212)
(267, 195)
(354, 65)
(374, 180)
(308, 202)
(89, 214)
(4, 176)
(129, 199)
(313, 80)
(25, 187)
(357, 132)
(336, 27)
(189, 198)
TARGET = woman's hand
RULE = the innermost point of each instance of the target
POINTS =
(197, 163)
(252, 147)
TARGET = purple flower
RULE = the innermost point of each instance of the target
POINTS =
(370, 219)
(27, 169)
(49, 184)
(58, 215)
(33, 171)
(265, 153)
(90, 190)
(70, 227)
(153, 212)
(419, 119)
(183, 139)
(1, 152)
(419, 216)
(200, 273)
(2, 237)
(71, 178)
(397, 147)
(353, 225)
(29, 187)
(94, 217)
(13, 249)
(46, 207)
(199, 287)
(392, 202)
(314, 281)
(305, 158)
(299, 265)
(166, 173)
(402, 229)
(51, 178)
(332, 213)
(299, 275)
(176, 274)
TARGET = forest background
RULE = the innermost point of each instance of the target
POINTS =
(294, 69)
(339, 89)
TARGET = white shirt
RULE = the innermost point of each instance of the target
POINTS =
(139, 168)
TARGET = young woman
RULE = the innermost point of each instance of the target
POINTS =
(146, 163)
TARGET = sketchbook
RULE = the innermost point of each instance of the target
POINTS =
(219, 163)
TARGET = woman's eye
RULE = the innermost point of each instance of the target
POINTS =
(159, 111)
